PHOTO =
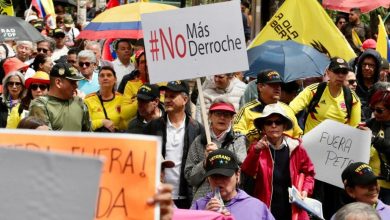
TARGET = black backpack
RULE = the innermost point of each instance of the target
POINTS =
(317, 96)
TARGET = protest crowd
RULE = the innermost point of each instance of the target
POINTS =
(242, 164)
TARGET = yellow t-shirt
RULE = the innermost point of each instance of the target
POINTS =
(327, 107)
(243, 121)
(113, 109)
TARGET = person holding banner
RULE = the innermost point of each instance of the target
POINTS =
(358, 26)
(223, 174)
(177, 130)
(361, 185)
(276, 162)
(221, 115)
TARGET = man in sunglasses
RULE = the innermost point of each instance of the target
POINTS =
(60, 48)
(87, 67)
(46, 47)
(61, 109)
(367, 74)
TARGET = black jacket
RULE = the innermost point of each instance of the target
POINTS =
(137, 124)
(4, 111)
(381, 144)
(361, 90)
(192, 129)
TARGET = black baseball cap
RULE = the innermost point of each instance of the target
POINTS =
(65, 70)
(222, 162)
(269, 76)
(58, 32)
(358, 173)
(177, 86)
(338, 64)
(148, 92)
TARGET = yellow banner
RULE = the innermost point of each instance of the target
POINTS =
(356, 40)
(306, 22)
(382, 45)
(6, 7)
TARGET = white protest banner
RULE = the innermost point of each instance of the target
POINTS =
(332, 146)
(132, 162)
(42, 185)
(194, 42)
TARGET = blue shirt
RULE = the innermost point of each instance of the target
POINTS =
(87, 86)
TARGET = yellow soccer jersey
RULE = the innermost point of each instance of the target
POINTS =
(243, 122)
(113, 109)
(327, 108)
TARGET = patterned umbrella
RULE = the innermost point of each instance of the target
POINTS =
(121, 22)
(14, 28)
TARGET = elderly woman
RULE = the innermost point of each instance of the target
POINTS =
(221, 114)
(380, 150)
(104, 106)
(36, 86)
(87, 67)
(13, 91)
(223, 174)
(277, 162)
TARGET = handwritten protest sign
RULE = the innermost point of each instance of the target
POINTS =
(194, 42)
(130, 174)
(332, 146)
(43, 185)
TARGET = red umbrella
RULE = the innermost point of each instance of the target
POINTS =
(364, 5)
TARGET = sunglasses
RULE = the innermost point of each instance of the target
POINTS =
(87, 64)
(16, 84)
(42, 50)
(271, 122)
(340, 72)
(225, 114)
(40, 86)
(378, 110)
(369, 65)
(351, 81)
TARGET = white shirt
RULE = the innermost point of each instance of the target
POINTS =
(121, 69)
(59, 53)
(174, 151)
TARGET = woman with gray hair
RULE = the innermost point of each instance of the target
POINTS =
(221, 113)
(87, 67)
(13, 91)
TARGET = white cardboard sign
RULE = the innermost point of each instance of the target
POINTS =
(43, 185)
(332, 146)
(194, 42)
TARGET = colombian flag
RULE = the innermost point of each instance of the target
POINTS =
(44, 7)
(383, 44)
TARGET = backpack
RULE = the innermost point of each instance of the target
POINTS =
(317, 96)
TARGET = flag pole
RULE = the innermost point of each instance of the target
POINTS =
(28, 12)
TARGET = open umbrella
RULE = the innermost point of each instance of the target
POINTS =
(14, 28)
(121, 22)
(291, 59)
(364, 5)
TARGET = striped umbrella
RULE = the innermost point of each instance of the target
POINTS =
(121, 22)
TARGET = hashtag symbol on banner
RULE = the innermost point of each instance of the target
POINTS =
(153, 41)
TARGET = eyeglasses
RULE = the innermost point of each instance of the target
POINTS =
(42, 50)
(271, 122)
(378, 110)
(40, 86)
(87, 64)
(16, 84)
(352, 81)
(369, 65)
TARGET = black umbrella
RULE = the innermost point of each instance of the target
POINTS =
(14, 28)
(65, 2)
